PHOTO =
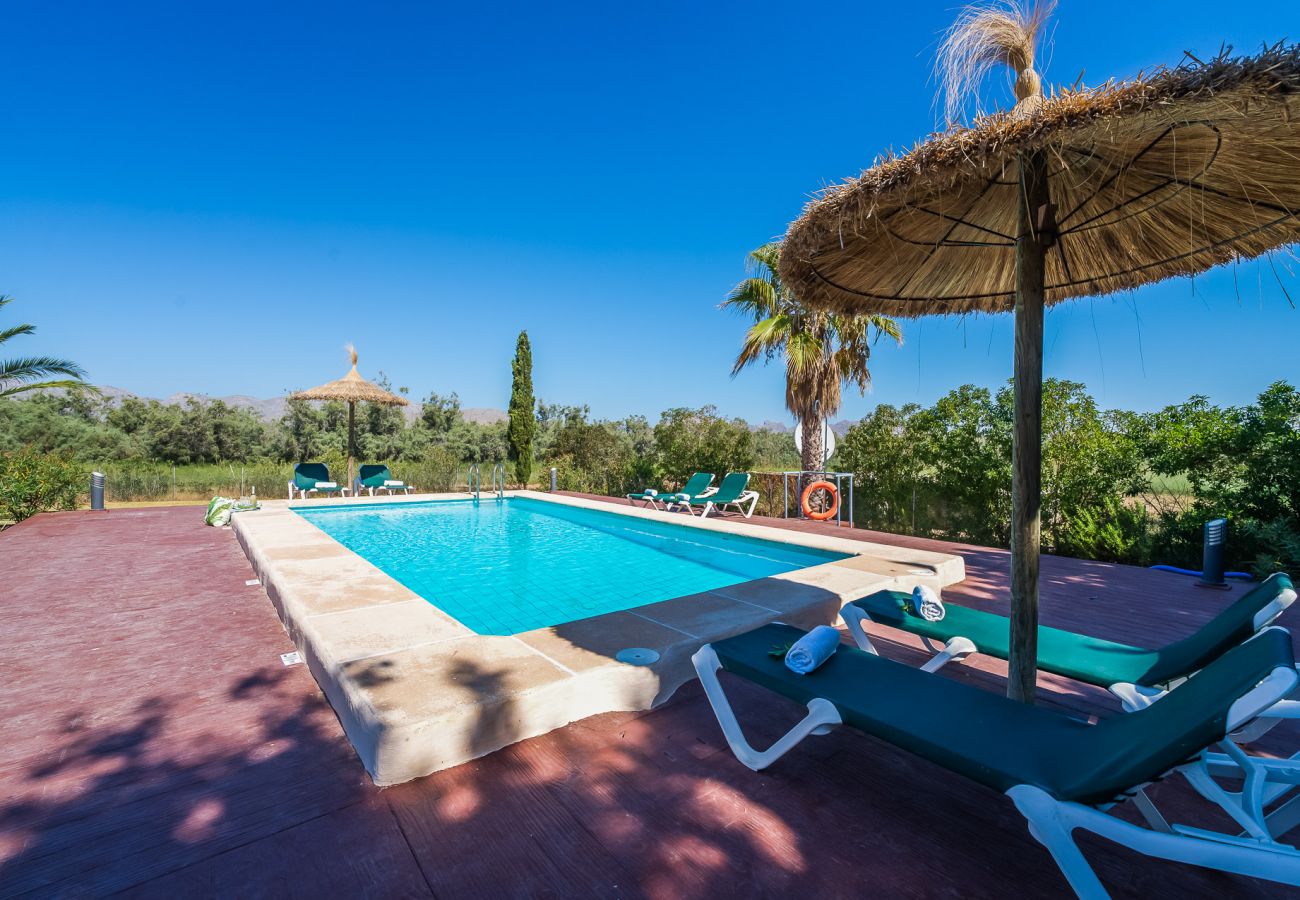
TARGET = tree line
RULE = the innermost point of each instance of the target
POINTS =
(1117, 485)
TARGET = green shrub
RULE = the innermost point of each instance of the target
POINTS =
(32, 482)
(1114, 532)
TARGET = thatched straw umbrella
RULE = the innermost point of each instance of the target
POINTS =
(1081, 193)
(352, 389)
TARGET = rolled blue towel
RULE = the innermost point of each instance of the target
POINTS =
(927, 603)
(649, 492)
(813, 649)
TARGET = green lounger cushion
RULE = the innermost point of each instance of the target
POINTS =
(305, 476)
(696, 484)
(1002, 743)
(733, 485)
(1088, 659)
(374, 475)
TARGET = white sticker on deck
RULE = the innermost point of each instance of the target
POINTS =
(291, 659)
(251, 582)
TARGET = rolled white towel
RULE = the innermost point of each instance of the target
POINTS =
(326, 484)
(927, 603)
(813, 649)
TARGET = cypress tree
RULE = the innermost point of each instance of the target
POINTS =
(522, 427)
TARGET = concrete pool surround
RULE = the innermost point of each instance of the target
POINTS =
(417, 691)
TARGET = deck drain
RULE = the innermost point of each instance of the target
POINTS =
(638, 656)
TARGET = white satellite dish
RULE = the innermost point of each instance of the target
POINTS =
(828, 440)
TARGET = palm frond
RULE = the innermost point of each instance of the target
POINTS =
(16, 331)
(822, 351)
(763, 261)
(33, 368)
(764, 338)
(8, 390)
(754, 296)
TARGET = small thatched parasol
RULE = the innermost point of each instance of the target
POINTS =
(1081, 193)
(352, 389)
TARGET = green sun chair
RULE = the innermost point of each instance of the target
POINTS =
(733, 491)
(1062, 773)
(376, 477)
(964, 631)
(314, 478)
(695, 486)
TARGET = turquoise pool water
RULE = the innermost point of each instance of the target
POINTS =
(505, 567)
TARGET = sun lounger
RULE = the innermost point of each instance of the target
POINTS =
(696, 486)
(378, 478)
(1062, 773)
(733, 491)
(963, 631)
(313, 478)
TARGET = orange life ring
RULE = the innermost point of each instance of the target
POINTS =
(825, 513)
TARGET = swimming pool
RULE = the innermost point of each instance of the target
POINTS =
(510, 566)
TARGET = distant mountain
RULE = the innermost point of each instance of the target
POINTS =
(272, 408)
(480, 415)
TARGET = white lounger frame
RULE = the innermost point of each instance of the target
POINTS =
(1052, 822)
(653, 502)
(748, 497)
(302, 493)
(391, 488)
(1131, 696)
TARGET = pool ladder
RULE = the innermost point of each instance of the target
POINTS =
(475, 481)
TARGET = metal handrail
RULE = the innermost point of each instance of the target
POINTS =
(839, 477)
(499, 480)
(473, 480)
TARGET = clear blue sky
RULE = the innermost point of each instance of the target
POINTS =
(215, 197)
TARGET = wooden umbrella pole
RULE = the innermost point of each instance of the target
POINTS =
(352, 426)
(1037, 232)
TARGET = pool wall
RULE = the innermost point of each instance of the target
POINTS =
(416, 691)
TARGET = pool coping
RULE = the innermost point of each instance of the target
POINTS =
(416, 691)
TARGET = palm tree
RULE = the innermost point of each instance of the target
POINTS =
(823, 351)
(34, 372)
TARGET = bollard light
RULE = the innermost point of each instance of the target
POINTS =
(1216, 539)
(553, 479)
(96, 490)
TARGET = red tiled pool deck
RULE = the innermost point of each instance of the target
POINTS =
(155, 745)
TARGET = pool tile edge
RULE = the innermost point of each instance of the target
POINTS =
(319, 593)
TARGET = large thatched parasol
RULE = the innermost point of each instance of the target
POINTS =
(352, 389)
(1084, 192)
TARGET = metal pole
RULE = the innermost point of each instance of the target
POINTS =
(785, 495)
(851, 477)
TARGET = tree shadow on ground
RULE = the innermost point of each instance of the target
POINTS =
(247, 787)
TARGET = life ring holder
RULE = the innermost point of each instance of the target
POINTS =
(825, 514)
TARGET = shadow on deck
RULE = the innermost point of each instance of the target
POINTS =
(157, 746)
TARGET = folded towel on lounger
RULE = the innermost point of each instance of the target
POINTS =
(390, 483)
(813, 649)
(326, 484)
(927, 603)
